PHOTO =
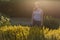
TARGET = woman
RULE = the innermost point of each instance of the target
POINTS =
(37, 16)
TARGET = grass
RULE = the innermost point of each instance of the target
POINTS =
(28, 33)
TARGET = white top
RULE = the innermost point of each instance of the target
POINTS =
(37, 15)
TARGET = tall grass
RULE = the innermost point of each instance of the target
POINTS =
(28, 33)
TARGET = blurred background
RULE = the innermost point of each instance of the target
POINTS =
(20, 11)
(24, 8)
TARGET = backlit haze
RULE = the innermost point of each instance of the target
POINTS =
(25, 8)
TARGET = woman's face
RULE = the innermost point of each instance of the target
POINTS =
(36, 5)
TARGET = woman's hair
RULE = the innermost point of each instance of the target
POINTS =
(36, 5)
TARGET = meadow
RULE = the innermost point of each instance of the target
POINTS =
(49, 31)
(28, 33)
(14, 26)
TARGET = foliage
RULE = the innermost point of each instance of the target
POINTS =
(4, 21)
(52, 34)
(14, 32)
(28, 33)
(51, 22)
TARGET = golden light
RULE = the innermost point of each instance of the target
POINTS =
(36, 4)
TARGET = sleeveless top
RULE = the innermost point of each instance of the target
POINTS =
(37, 15)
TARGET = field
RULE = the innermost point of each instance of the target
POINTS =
(15, 31)
(28, 33)
(16, 20)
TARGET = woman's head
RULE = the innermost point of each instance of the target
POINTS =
(36, 4)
